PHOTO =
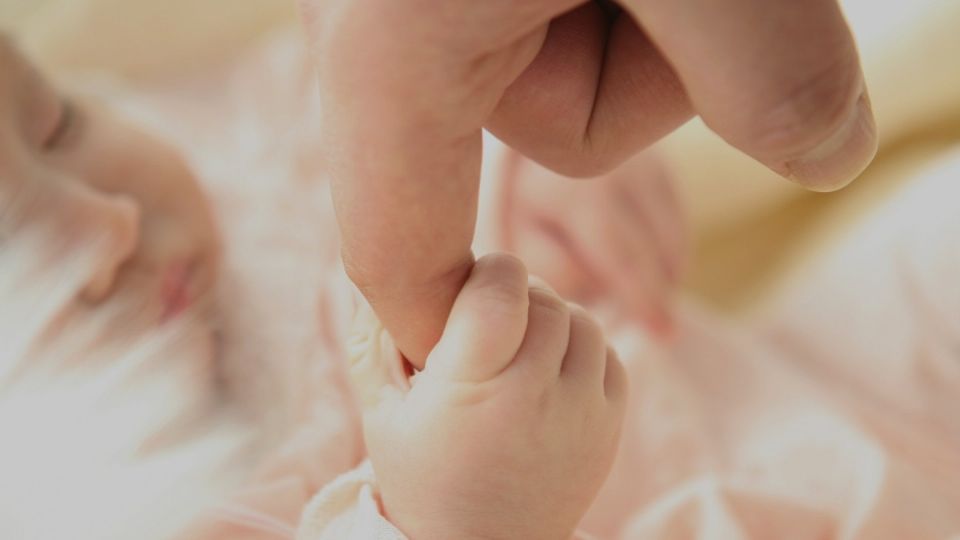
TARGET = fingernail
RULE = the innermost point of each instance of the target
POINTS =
(837, 161)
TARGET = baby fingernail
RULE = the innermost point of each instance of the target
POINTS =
(839, 159)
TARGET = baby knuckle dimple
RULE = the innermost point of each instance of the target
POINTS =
(803, 111)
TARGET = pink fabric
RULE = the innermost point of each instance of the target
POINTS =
(834, 418)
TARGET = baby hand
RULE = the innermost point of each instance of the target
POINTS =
(512, 428)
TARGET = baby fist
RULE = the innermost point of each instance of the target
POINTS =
(512, 428)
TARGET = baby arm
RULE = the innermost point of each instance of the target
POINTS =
(509, 432)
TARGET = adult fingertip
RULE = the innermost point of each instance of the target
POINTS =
(781, 81)
(842, 156)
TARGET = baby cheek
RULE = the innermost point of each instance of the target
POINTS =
(547, 252)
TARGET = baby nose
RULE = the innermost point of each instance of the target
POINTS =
(115, 219)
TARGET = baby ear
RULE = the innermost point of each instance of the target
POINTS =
(117, 221)
(73, 215)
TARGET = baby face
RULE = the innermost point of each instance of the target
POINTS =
(71, 163)
(617, 243)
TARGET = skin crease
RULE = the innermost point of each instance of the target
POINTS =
(579, 87)
(75, 167)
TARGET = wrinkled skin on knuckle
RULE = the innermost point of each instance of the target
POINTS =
(803, 112)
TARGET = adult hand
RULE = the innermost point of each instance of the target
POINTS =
(407, 86)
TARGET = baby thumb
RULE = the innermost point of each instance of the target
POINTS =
(487, 323)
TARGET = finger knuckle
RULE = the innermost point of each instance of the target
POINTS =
(584, 326)
(806, 109)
